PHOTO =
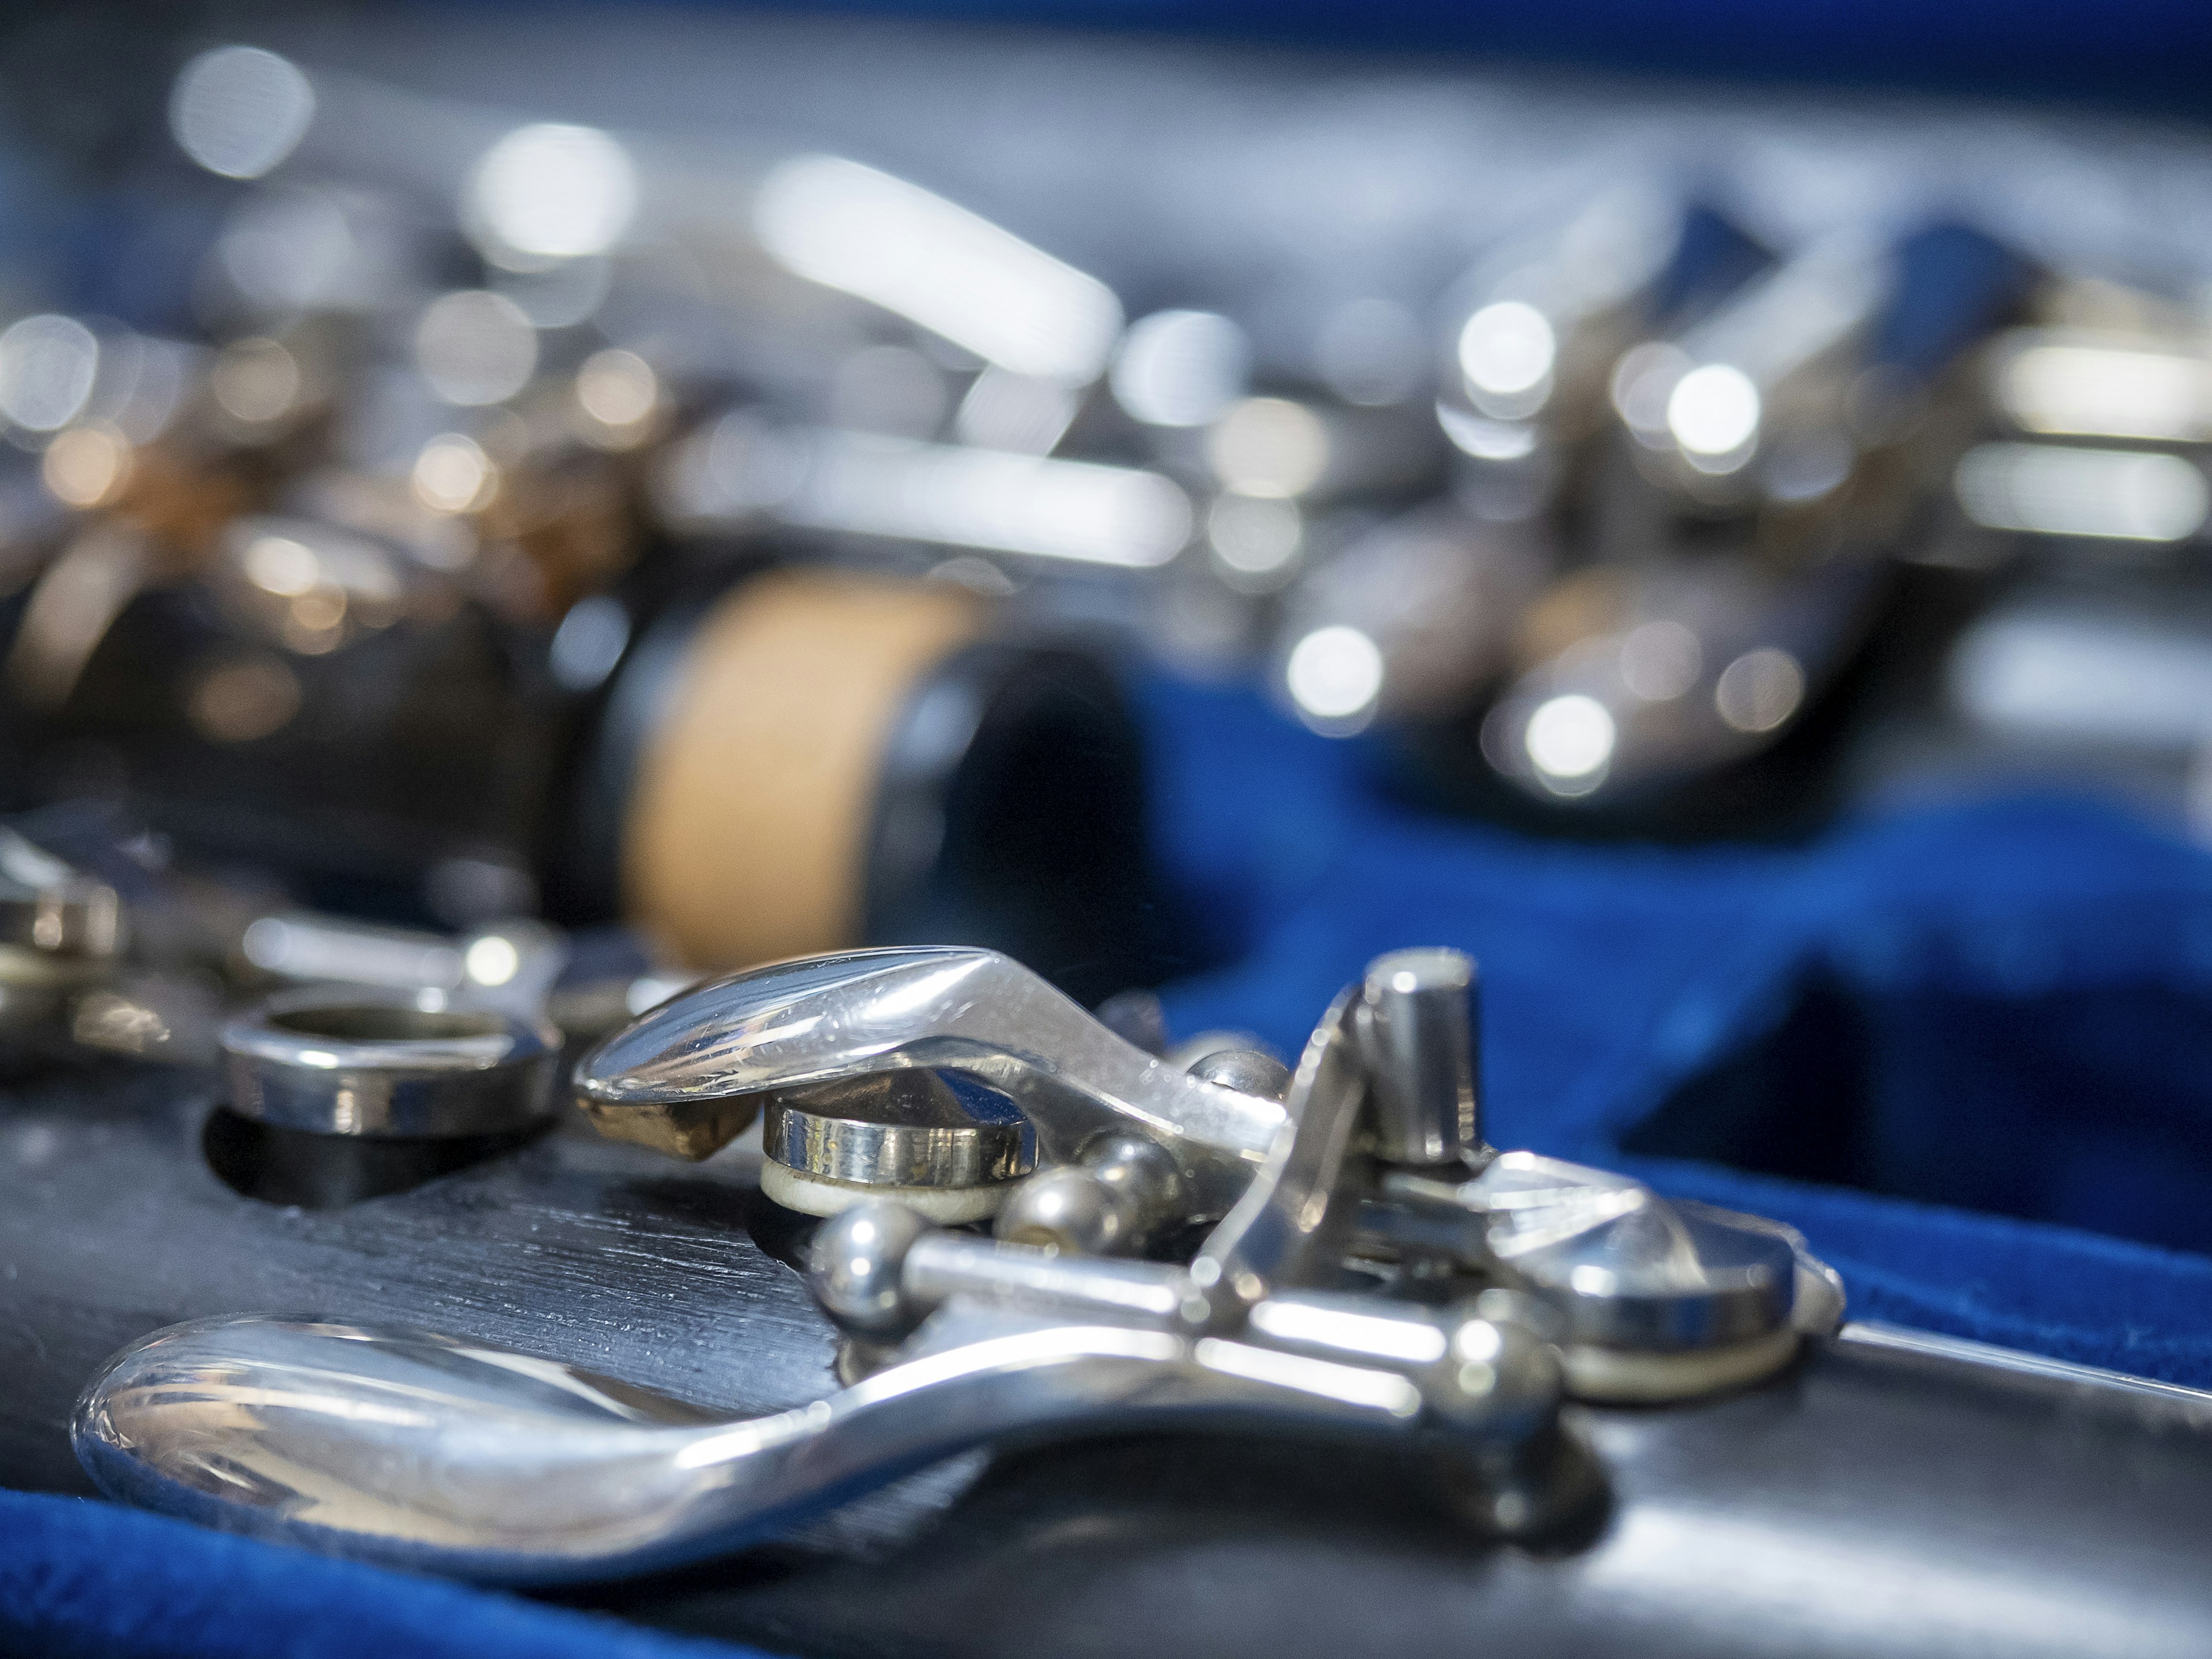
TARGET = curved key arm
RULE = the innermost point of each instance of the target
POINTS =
(690, 1076)
(422, 1451)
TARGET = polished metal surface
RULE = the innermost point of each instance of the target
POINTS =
(893, 1275)
(428, 1451)
(1563, 302)
(678, 1076)
(1247, 1071)
(1626, 1268)
(424, 1451)
(857, 1269)
(1124, 1191)
(1616, 1265)
(1629, 1269)
(38, 990)
(1686, 664)
(1417, 1026)
(1122, 1194)
(1286, 1229)
(510, 965)
(1872, 1504)
(61, 932)
(1897, 1339)
(1785, 348)
(307, 948)
(359, 1062)
(1138, 1178)
(47, 905)
(1291, 1224)
(1390, 1075)
(1817, 1300)
(1065, 1207)
(936, 1267)
(895, 1129)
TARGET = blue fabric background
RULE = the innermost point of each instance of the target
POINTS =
(82, 1580)
(2033, 986)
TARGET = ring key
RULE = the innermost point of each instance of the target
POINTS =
(337, 1094)
(360, 1063)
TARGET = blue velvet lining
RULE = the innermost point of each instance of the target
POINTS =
(85, 1580)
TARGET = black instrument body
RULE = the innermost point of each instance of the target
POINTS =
(442, 754)
(1869, 1502)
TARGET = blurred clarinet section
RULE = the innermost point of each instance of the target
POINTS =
(712, 471)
